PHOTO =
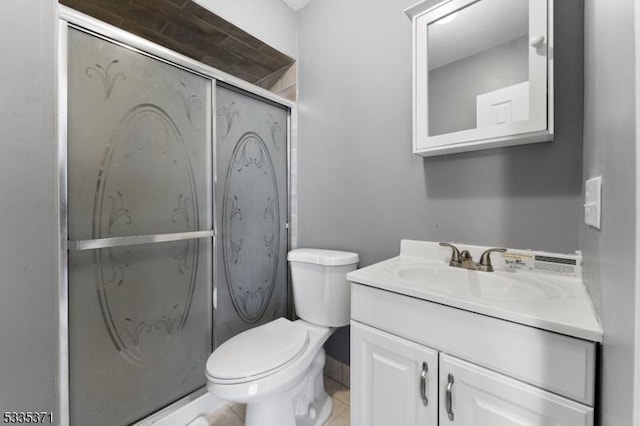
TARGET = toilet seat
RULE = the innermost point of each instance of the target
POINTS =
(257, 352)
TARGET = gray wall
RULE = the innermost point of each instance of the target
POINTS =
(609, 150)
(28, 229)
(453, 88)
(361, 188)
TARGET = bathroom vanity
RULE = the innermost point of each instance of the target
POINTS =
(432, 344)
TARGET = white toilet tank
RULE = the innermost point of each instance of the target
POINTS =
(321, 292)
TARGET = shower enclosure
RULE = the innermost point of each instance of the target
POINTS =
(175, 191)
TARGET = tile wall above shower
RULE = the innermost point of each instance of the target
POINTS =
(194, 31)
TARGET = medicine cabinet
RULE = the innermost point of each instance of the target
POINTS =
(482, 74)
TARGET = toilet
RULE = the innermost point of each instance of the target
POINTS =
(276, 368)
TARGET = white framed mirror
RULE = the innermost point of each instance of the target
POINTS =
(483, 74)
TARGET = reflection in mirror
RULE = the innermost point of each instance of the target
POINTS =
(478, 60)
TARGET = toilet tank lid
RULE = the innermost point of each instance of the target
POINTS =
(323, 257)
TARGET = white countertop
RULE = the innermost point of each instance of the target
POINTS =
(549, 301)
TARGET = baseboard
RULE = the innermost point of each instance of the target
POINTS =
(337, 371)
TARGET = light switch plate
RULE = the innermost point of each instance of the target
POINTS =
(593, 201)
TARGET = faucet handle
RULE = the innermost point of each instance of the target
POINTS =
(485, 259)
(455, 254)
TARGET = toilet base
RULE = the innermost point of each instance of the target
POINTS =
(273, 411)
(306, 404)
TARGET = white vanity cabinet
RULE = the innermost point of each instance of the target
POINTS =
(396, 380)
(481, 370)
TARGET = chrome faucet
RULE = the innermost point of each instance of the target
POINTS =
(463, 259)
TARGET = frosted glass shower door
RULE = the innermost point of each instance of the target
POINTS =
(139, 167)
(251, 213)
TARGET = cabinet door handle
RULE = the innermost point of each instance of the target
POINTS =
(423, 384)
(448, 398)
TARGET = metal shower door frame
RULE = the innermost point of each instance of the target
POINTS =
(71, 18)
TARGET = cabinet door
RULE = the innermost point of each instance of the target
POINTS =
(394, 381)
(472, 395)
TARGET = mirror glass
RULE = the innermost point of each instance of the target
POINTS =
(478, 60)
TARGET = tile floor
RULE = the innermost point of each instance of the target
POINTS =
(232, 414)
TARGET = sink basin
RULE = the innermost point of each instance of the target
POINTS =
(466, 284)
(429, 277)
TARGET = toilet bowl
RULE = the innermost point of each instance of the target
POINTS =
(276, 368)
